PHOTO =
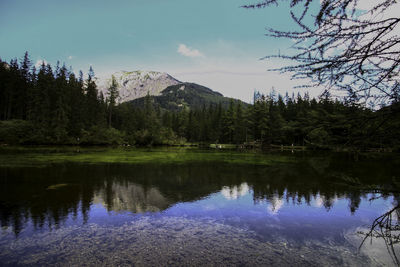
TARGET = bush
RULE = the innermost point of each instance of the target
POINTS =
(102, 136)
(163, 136)
(319, 136)
(16, 131)
(144, 138)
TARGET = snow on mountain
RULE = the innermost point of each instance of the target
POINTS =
(136, 84)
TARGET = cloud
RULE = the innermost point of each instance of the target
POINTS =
(235, 192)
(367, 5)
(364, 5)
(236, 76)
(275, 205)
(70, 57)
(39, 63)
(189, 52)
(240, 79)
(226, 72)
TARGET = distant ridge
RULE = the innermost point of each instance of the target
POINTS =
(188, 96)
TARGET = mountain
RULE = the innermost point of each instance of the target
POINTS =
(167, 92)
(4, 65)
(136, 84)
(187, 95)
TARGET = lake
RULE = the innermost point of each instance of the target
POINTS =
(103, 206)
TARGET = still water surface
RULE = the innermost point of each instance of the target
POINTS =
(300, 210)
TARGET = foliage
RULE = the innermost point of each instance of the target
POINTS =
(112, 97)
(97, 135)
(15, 131)
(318, 136)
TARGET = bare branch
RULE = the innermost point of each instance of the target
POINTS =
(345, 48)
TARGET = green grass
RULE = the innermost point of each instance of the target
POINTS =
(19, 156)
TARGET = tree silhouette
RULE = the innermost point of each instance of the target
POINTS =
(345, 45)
(112, 93)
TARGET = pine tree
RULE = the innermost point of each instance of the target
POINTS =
(228, 122)
(76, 104)
(60, 117)
(240, 126)
(93, 111)
(112, 97)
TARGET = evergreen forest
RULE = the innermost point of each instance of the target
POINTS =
(54, 106)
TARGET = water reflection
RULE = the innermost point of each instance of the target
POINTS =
(235, 191)
(311, 201)
(48, 196)
(128, 196)
(386, 227)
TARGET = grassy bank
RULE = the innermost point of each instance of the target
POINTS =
(41, 156)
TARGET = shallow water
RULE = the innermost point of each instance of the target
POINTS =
(181, 208)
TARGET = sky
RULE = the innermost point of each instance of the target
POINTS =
(215, 43)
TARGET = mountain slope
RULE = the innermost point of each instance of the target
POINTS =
(187, 95)
(136, 84)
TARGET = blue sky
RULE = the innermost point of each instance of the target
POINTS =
(212, 42)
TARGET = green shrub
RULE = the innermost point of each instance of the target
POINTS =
(319, 136)
(102, 136)
(16, 131)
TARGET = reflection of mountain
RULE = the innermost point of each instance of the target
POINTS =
(50, 194)
(131, 197)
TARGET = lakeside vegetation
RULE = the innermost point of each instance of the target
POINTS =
(43, 156)
(55, 107)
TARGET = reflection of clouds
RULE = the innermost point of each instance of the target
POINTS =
(275, 204)
(376, 247)
(396, 213)
(235, 191)
(321, 201)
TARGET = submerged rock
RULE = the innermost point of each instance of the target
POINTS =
(166, 241)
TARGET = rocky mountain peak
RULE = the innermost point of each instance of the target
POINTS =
(136, 84)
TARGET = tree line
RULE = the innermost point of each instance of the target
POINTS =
(54, 106)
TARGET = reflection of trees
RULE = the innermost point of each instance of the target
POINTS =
(24, 193)
(295, 189)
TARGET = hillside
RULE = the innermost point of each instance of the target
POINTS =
(187, 95)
